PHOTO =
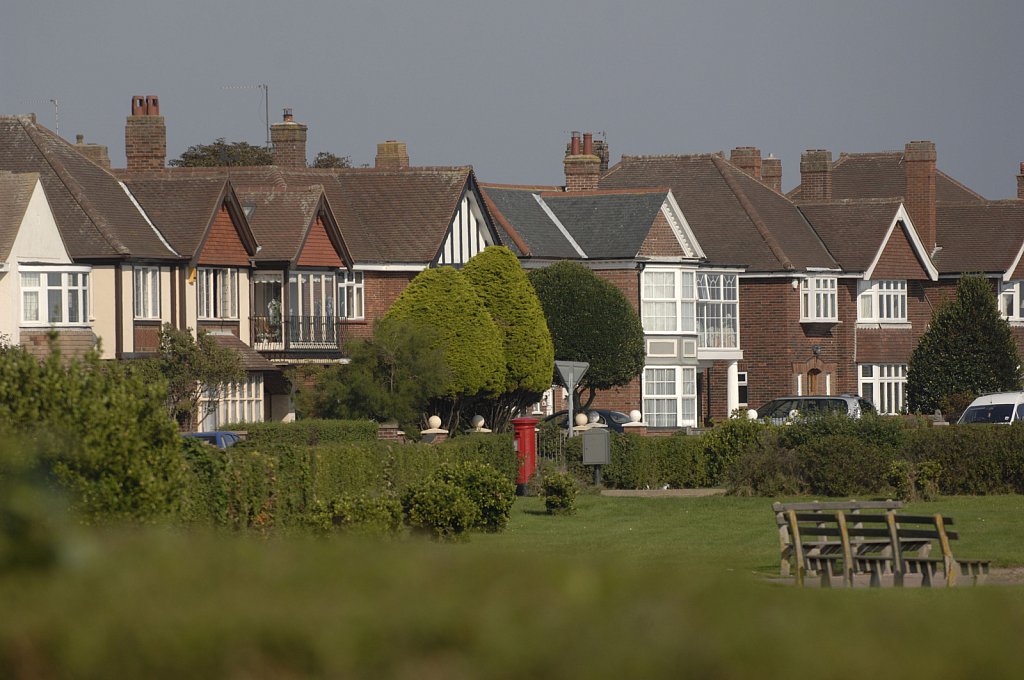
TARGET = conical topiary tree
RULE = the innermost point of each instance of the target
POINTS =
(443, 300)
(967, 350)
(507, 294)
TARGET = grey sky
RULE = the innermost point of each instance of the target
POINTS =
(499, 85)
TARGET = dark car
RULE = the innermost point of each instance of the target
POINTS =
(779, 410)
(614, 420)
(221, 440)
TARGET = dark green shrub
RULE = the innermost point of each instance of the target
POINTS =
(844, 465)
(724, 443)
(378, 515)
(766, 469)
(442, 509)
(683, 461)
(635, 463)
(495, 450)
(310, 432)
(560, 491)
(491, 492)
(973, 459)
(915, 481)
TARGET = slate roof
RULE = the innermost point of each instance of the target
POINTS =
(517, 210)
(15, 193)
(979, 237)
(735, 218)
(96, 218)
(607, 225)
(882, 175)
(180, 207)
(852, 230)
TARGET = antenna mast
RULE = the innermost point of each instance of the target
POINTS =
(56, 118)
(266, 102)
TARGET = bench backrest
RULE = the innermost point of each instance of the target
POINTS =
(853, 507)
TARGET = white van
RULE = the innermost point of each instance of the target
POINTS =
(1002, 408)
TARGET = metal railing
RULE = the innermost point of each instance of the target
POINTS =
(295, 332)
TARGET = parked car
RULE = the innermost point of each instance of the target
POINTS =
(779, 410)
(221, 440)
(613, 419)
(1002, 408)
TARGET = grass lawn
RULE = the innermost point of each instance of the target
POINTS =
(627, 588)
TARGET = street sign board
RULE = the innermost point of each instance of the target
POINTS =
(571, 372)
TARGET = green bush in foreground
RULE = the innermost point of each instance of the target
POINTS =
(492, 493)
(360, 514)
(441, 508)
(560, 490)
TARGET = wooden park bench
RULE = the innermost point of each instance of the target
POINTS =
(877, 545)
(821, 545)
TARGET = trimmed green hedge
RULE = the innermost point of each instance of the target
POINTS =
(310, 432)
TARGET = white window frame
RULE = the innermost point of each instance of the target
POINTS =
(217, 293)
(718, 310)
(670, 396)
(351, 295)
(668, 300)
(1011, 300)
(240, 402)
(73, 285)
(883, 301)
(146, 292)
(884, 385)
(743, 385)
(818, 298)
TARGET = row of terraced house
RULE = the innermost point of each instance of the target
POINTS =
(745, 293)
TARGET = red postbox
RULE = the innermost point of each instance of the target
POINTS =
(525, 444)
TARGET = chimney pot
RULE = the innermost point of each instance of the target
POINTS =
(588, 144)
(79, 139)
(574, 145)
(289, 142)
(288, 115)
(145, 135)
(747, 159)
(919, 168)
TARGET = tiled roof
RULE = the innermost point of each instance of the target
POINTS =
(852, 230)
(882, 175)
(736, 219)
(180, 207)
(15, 193)
(250, 358)
(384, 215)
(96, 218)
(271, 209)
(980, 237)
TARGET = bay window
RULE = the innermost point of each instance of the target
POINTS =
(218, 293)
(668, 301)
(882, 301)
(670, 396)
(311, 299)
(718, 311)
(818, 299)
(885, 386)
(146, 292)
(54, 296)
(240, 402)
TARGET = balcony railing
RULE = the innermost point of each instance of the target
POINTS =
(294, 332)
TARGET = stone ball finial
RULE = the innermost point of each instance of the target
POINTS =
(434, 422)
(635, 416)
(582, 419)
(477, 422)
(593, 417)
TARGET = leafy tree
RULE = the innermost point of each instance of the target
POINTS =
(326, 159)
(100, 431)
(392, 376)
(967, 350)
(471, 344)
(190, 369)
(221, 153)
(501, 283)
(592, 321)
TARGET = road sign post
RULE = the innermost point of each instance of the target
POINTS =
(571, 372)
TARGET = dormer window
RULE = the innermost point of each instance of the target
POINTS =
(882, 301)
(818, 299)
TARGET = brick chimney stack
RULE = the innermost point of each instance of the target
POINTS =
(391, 155)
(289, 142)
(771, 173)
(919, 165)
(97, 153)
(816, 175)
(1020, 183)
(747, 159)
(145, 135)
(582, 166)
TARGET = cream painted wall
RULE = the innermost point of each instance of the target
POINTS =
(127, 309)
(104, 316)
(191, 300)
(166, 281)
(244, 325)
(37, 241)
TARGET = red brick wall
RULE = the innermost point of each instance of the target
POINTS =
(380, 290)
(919, 165)
(898, 260)
(661, 240)
(73, 344)
(318, 251)
(223, 245)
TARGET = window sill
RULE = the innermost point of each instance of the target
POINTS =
(821, 322)
(353, 322)
(893, 325)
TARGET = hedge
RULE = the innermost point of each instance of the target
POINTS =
(309, 432)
